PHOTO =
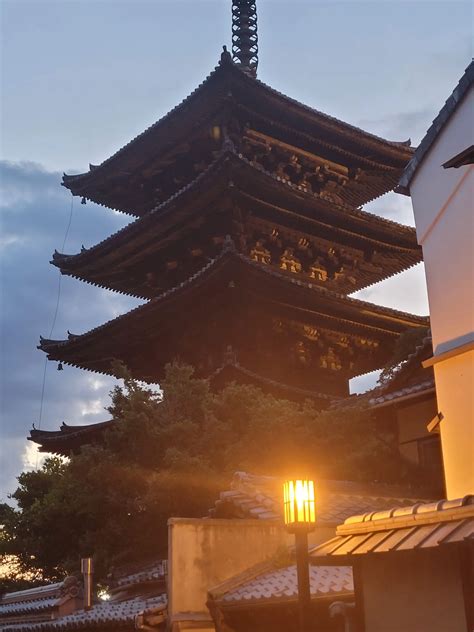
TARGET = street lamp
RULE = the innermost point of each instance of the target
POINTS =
(300, 519)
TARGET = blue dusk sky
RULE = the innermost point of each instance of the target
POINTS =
(80, 78)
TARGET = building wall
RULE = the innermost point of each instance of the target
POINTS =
(455, 386)
(409, 420)
(432, 185)
(418, 445)
(420, 592)
(202, 553)
(443, 207)
(412, 420)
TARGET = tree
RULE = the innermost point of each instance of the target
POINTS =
(170, 455)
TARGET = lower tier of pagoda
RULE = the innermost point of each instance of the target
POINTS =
(234, 312)
(70, 439)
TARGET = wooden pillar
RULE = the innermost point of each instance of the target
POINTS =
(359, 596)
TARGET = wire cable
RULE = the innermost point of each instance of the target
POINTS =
(54, 321)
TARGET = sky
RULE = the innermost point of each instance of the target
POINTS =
(80, 78)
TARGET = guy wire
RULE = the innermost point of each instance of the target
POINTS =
(54, 322)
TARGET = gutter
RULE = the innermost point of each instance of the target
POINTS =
(404, 398)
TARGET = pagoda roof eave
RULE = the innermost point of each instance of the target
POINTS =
(68, 438)
(356, 224)
(163, 134)
(385, 321)
(229, 250)
(66, 430)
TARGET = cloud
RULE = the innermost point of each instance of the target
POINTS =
(393, 206)
(32, 458)
(401, 126)
(34, 216)
(405, 291)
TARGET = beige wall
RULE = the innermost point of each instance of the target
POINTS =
(413, 592)
(455, 386)
(202, 553)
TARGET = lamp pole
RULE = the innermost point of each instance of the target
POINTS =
(302, 569)
(300, 518)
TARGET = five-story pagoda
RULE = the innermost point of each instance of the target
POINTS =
(248, 238)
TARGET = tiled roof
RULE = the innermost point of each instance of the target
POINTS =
(418, 511)
(156, 134)
(42, 603)
(408, 380)
(414, 359)
(143, 574)
(384, 398)
(39, 592)
(419, 526)
(95, 349)
(229, 250)
(96, 265)
(135, 590)
(457, 95)
(105, 615)
(260, 497)
(28, 607)
(69, 438)
(282, 585)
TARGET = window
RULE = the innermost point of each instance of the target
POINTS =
(429, 452)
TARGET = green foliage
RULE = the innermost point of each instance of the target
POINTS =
(170, 455)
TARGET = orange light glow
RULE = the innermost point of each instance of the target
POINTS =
(299, 503)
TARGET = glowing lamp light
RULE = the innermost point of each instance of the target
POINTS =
(299, 504)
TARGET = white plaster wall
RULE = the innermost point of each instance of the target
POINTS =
(432, 185)
(449, 264)
(443, 204)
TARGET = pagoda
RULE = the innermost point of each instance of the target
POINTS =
(247, 240)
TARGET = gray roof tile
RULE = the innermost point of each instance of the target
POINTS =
(282, 584)
(109, 613)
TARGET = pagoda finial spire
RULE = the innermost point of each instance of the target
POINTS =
(244, 35)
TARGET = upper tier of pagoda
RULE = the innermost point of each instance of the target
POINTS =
(272, 221)
(311, 150)
(238, 313)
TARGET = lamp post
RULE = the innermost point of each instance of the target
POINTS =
(87, 569)
(300, 519)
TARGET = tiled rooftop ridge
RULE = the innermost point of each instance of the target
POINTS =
(441, 510)
(417, 527)
(31, 594)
